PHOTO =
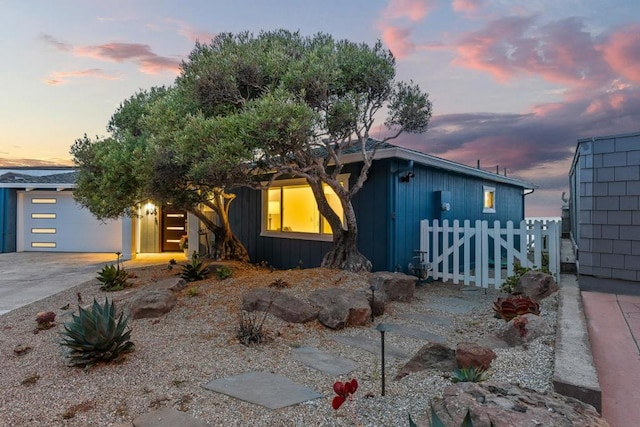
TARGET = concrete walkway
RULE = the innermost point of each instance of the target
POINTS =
(26, 277)
(614, 329)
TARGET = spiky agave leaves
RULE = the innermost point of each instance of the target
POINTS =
(96, 335)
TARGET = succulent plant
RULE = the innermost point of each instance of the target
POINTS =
(96, 335)
(224, 272)
(194, 270)
(468, 374)
(511, 307)
(113, 278)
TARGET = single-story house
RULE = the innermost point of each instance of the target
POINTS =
(38, 213)
(604, 206)
(280, 225)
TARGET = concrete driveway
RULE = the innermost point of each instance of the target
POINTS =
(26, 277)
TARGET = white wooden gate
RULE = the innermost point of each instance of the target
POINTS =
(483, 256)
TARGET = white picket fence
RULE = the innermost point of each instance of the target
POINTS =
(483, 256)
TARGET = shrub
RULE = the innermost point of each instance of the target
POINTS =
(96, 335)
(194, 270)
(250, 329)
(224, 272)
(511, 282)
(512, 307)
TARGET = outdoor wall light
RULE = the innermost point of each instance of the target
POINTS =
(151, 209)
(407, 177)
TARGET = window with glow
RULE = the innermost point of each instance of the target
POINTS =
(44, 201)
(489, 199)
(43, 216)
(293, 209)
(43, 244)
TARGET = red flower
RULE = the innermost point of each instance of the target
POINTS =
(343, 392)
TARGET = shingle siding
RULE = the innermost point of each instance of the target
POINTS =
(605, 178)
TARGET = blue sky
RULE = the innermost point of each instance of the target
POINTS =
(514, 83)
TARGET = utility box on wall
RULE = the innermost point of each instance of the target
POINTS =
(442, 205)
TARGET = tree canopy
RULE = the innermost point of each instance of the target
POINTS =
(247, 106)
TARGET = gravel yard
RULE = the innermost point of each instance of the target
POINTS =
(195, 343)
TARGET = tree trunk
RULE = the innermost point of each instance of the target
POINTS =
(344, 254)
(226, 245)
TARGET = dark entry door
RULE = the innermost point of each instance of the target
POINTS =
(174, 225)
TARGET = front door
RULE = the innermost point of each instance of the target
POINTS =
(174, 225)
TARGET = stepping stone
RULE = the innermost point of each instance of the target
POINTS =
(168, 417)
(371, 345)
(414, 333)
(324, 362)
(262, 388)
(427, 318)
(452, 305)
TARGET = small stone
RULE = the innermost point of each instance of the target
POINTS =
(21, 349)
(536, 285)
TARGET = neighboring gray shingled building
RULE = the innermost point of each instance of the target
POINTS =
(605, 201)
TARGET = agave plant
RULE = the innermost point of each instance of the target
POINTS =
(468, 374)
(113, 278)
(194, 270)
(515, 306)
(96, 335)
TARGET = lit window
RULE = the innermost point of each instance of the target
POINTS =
(291, 208)
(43, 216)
(489, 199)
(47, 201)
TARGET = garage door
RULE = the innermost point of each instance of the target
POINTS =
(53, 221)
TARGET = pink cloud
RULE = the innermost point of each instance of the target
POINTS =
(466, 6)
(398, 40)
(186, 30)
(148, 61)
(60, 77)
(560, 52)
(414, 10)
(622, 52)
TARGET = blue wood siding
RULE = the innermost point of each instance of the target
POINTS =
(388, 211)
(421, 197)
(8, 222)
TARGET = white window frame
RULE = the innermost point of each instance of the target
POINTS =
(487, 189)
(293, 234)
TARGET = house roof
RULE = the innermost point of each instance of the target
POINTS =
(387, 151)
(43, 178)
(37, 180)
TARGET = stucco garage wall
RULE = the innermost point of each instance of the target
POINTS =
(71, 228)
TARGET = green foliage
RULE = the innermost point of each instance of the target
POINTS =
(511, 282)
(96, 335)
(194, 270)
(193, 292)
(515, 306)
(224, 272)
(113, 278)
(468, 374)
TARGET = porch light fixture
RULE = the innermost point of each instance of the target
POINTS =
(151, 209)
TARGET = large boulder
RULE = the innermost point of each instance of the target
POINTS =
(523, 329)
(507, 405)
(430, 356)
(338, 308)
(151, 302)
(284, 306)
(474, 355)
(174, 284)
(395, 286)
(536, 285)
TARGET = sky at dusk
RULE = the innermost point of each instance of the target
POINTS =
(514, 83)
